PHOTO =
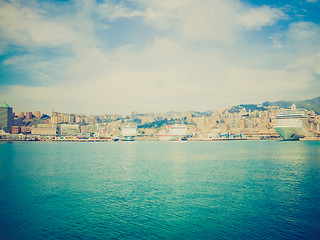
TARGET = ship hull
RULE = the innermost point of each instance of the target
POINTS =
(169, 138)
(173, 133)
(290, 133)
(128, 138)
(129, 133)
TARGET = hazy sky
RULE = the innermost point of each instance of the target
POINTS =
(97, 57)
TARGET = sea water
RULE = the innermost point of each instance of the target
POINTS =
(160, 190)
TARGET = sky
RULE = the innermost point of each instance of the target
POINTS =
(114, 56)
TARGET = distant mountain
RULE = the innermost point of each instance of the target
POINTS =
(252, 107)
(207, 113)
(310, 104)
(196, 113)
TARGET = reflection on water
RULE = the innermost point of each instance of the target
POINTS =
(175, 190)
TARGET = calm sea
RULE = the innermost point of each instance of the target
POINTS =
(160, 190)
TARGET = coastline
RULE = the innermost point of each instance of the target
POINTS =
(152, 139)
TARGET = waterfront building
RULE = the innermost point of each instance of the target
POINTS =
(242, 123)
(21, 115)
(79, 119)
(89, 128)
(72, 118)
(56, 119)
(37, 114)
(25, 129)
(69, 129)
(44, 130)
(148, 131)
(113, 128)
(16, 129)
(6, 118)
(83, 129)
(250, 123)
(65, 118)
(29, 115)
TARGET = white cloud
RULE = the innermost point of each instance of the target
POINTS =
(214, 20)
(218, 20)
(256, 18)
(173, 71)
(26, 26)
(114, 11)
(87, 62)
(165, 76)
(209, 19)
(264, 81)
(301, 46)
(310, 62)
(305, 34)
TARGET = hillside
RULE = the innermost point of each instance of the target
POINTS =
(309, 104)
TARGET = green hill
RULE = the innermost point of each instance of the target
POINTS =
(309, 104)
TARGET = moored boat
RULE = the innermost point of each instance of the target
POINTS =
(291, 124)
(173, 133)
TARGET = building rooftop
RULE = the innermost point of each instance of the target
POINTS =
(4, 105)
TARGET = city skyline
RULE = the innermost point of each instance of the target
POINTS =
(97, 57)
(311, 105)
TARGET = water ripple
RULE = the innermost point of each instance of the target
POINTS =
(155, 190)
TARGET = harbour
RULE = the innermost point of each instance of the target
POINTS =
(175, 120)
(160, 190)
(294, 124)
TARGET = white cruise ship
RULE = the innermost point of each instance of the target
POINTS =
(173, 133)
(292, 124)
(129, 133)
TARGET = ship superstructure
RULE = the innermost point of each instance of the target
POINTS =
(292, 124)
(173, 133)
(129, 133)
